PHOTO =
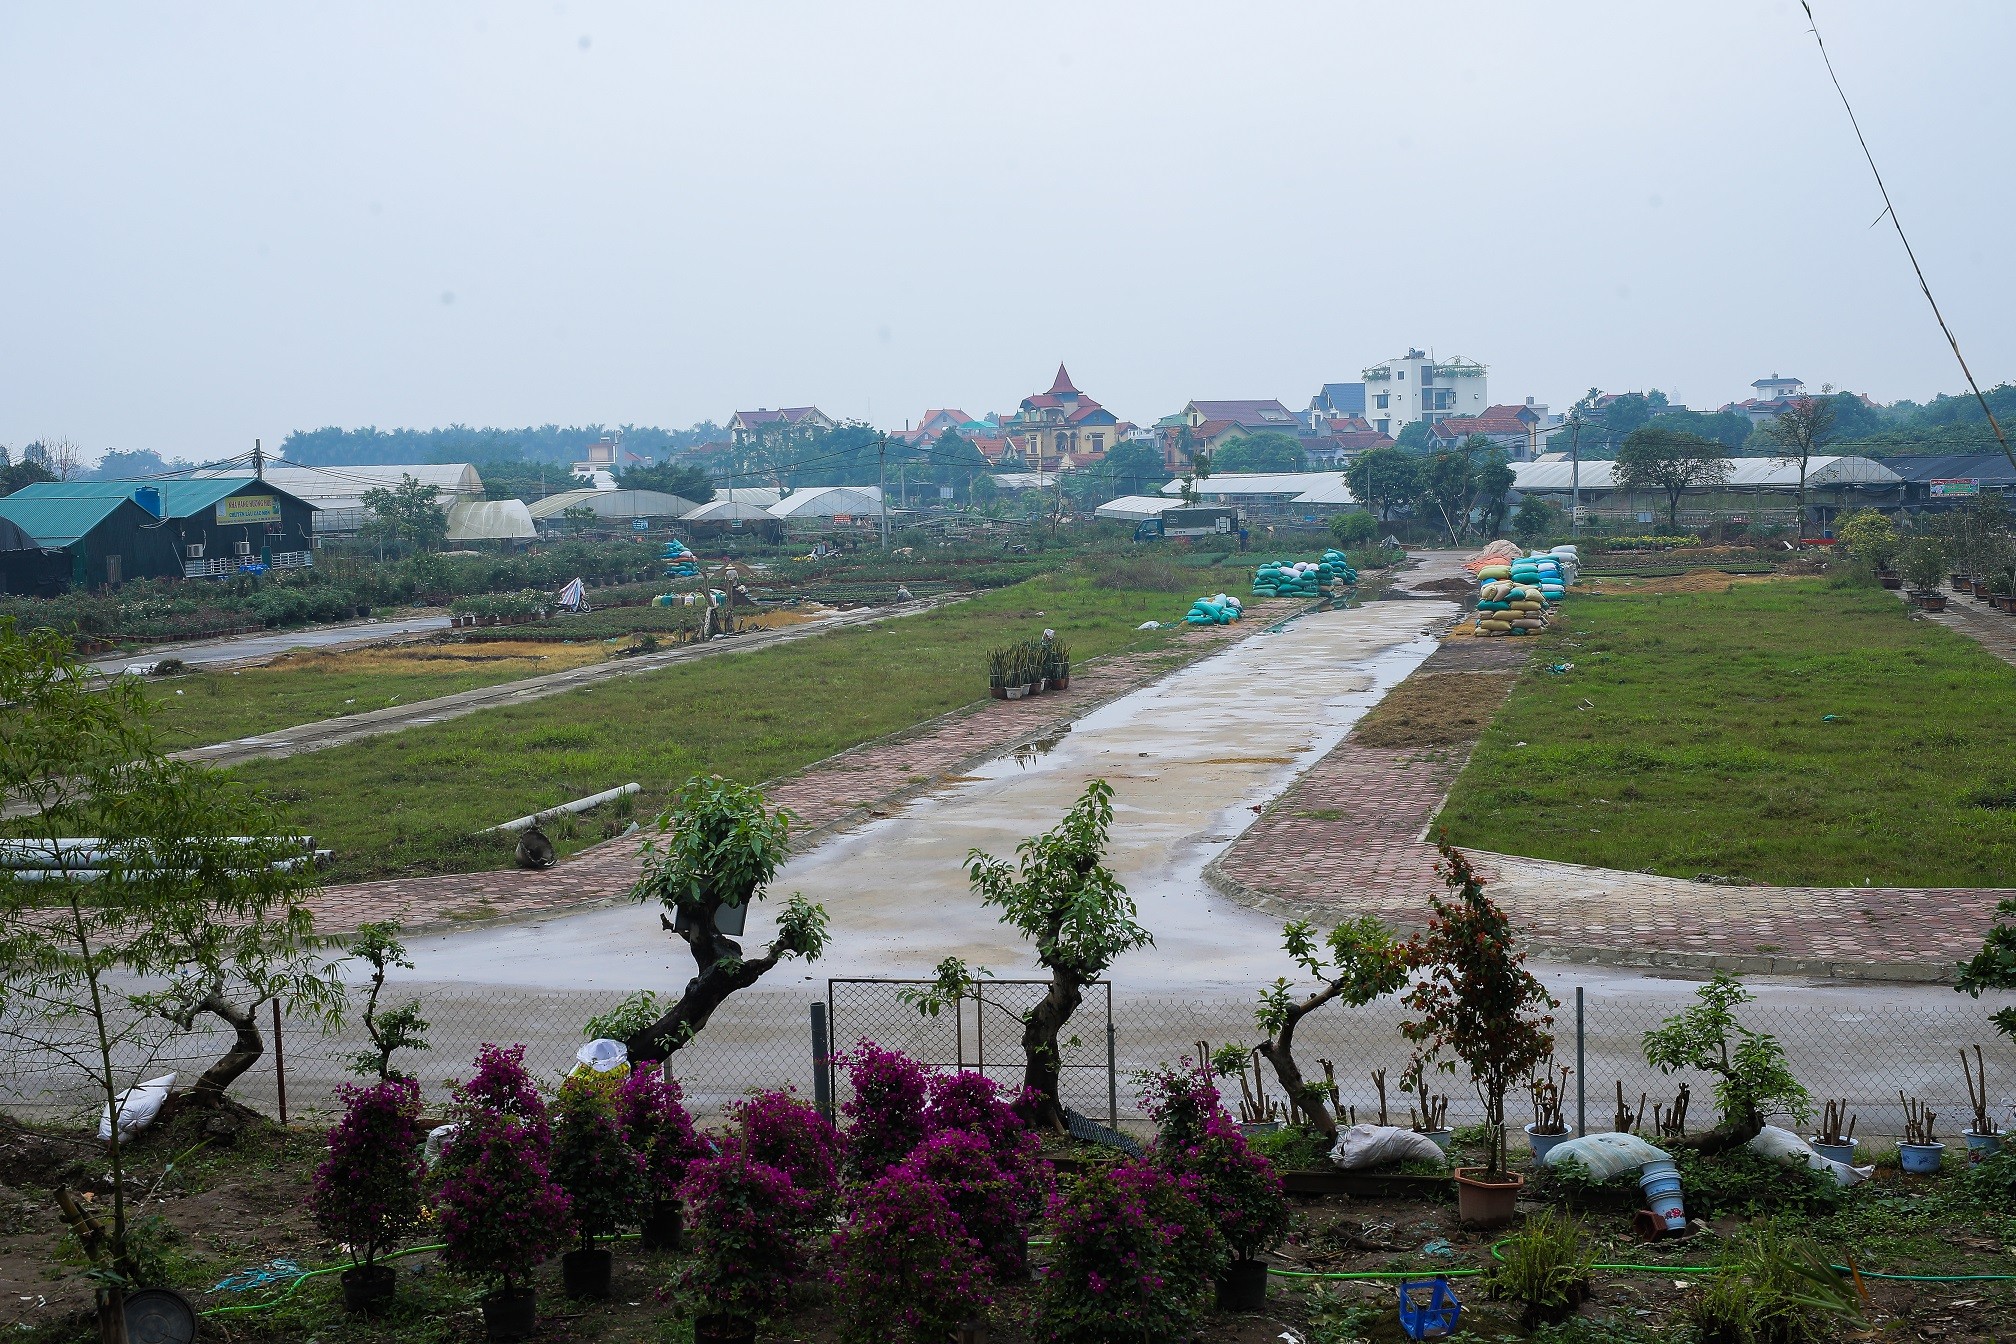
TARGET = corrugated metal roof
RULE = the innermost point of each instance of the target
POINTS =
(58, 520)
(181, 497)
(1134, 508)
(1987, 468)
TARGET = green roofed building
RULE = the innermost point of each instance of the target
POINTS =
(180, 528)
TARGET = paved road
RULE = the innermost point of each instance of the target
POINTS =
(256, 648)
(355, 727)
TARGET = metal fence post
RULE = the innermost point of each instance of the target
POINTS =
(1112, 1076)
(1581, 1072)
(822, 1079)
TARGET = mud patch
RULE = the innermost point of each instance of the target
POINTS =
(1435, 708)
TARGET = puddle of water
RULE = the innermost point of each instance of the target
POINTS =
(1029, 752)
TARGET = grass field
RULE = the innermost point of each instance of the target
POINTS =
(409, 802)
(1781, 732)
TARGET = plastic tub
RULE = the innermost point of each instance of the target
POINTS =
(1661, 1183)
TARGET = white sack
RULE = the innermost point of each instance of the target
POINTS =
(1606, 1155)
(1789, 1150)
(137, 1107)
(1364, 1146)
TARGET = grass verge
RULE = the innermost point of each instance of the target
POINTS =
(1783, 732)
(409, 803)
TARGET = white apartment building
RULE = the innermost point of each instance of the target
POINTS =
(1417, 386)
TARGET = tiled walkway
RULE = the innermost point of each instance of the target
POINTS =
(829, 796)
(1350, 838)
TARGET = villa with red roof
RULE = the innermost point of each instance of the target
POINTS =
(1063, 428)
(746, 425)
(1520, 430)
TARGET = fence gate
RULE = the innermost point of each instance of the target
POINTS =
(982, 1032)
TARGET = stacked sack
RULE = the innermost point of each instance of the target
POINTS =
(1516, 593)
(1218, 610)
(679, 562)
(1302, 578)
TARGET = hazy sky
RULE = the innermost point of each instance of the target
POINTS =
(222, 221)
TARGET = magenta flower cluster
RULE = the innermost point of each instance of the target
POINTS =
(907, 1262)
(1240, 1189)
(989, 1202)
(749, 1230)
(651, 1107)
(886, 1112)
(501, 1214)
(367, 1190)
(1179, 1100)
(1131, 1255)
(783, 1133)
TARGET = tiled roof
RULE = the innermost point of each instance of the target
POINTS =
(1266, 414)
(1062, 384)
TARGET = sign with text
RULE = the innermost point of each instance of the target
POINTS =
(1955, 488)
(248, 509)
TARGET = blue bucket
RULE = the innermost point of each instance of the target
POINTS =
(1544, 1144)
(1661, 1183)
(1920, 1158)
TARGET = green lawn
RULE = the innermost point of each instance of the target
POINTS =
(1694, 737)
(409, 802)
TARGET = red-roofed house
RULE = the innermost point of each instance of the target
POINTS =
(933, 425)
(1062, 428)
(746, 425)
(1516, 429)
(1338, 439)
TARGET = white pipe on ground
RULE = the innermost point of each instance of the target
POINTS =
(578, 805)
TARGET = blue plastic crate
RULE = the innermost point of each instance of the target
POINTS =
(1429, 1308)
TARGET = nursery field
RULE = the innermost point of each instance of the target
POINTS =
(1789, 732)
(409, 803)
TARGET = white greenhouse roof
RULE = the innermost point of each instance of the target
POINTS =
(344, 487)
(721, 509)
(825, 501)
(1751, 473)
(617, 504)
(1134, 508)
(1285, 487)
(490, 520)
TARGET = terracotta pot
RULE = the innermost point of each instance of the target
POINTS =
(1932, 601)
(998, 692)
(1483, 1203)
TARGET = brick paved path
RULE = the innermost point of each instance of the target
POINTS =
(829, 796)
(1350, 837)
(1993, 630)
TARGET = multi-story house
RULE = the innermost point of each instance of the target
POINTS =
(1062, 428)
(1417, 386)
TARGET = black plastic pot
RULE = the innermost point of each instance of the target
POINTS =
(510, 1313)
(368, 1288)
(586, 1273)
(664, 1227)
(1243, 1286)
(715, 1329)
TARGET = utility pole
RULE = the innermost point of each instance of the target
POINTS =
(258, 460)
(882, 484)
(1575, 473)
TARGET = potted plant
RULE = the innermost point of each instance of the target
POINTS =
(367, 1189)
(1922, 561)
(1431, 1116)
(1243, 1195)
(780, 1131)
(1478, 1001)
(906, 1265)
(998, 663)
(659, 1130)
(1753, 1080)
(991, 1202)
(749, 1226)
(1836, 1140)
(1550, 1123)
(1545, 1267)
(1018, 671)
(1919, 1153)
(1131, 1252)
(1982, 1136)
(1060, 665)
(500, 1213)
(601, 1173)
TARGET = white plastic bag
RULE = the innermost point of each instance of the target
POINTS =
(438, 1139)
(1606, 1155)
(1149, 625)
(1364, 1146)
(1789, 1150)
(603, 1055)
(137, 1107)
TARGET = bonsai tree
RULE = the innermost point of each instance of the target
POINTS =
(1752, 1080)
(1357, 962)
(1994, 966)
(500, 1212)
(1477, 1001)
(886, 1111)
(1131, 1253)
(394, 1029)
(718, 847)
(367, 1189)
(1062, 898)
(186, 888)
(749, 1229)
(592, 1157)
(906, 1264)
(1922, 562)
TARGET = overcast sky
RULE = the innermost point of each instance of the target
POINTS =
(222, 221)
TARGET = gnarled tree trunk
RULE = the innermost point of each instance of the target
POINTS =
(245, 1051)
(1042, 1069)
(720, 971)
(1280, 1052)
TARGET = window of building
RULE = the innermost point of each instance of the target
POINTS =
(1382, 400)
(1401, 375)
(1098, 443)
(1382, 424)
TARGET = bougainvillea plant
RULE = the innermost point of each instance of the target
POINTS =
(989, 1202)
(1131, 1255)
(780, 1131)
(501, 1085)
(501, 1214)
(886, 1113)
(970, 1101)
(652, 1110)
(748, 1228)
(367, 1190)
(1179, 1099)
(1239, 1187)
(592, 1157)
(906, 1264)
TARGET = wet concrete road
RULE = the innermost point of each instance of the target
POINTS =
(253, 648)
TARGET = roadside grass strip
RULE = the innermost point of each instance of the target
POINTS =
(1788, 733)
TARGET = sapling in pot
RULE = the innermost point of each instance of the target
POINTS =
(906, 1265)
(367, 1189)
(659, 1130)
(1981, 1133)
(1921, 1151)
(604, 1176)
(748, 1235)
(1752, 1078)
(1837, 1131)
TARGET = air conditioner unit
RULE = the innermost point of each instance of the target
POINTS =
(314, 543)
(196, 551)
(244, 547)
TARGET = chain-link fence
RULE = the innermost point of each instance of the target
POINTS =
(1865, 1054)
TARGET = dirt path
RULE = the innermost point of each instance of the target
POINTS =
(257, 648)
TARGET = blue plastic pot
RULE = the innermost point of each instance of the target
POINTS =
(1839, 1152)
(1661, 1183)
(1981, 1145)
(1921, 1158)
(1544, 1144)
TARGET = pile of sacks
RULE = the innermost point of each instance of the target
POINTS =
(1516, 592)
(1218, 610)
(1302, 578)
(679, 562)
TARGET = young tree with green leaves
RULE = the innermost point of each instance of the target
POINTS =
(1060, 896)
(188, 899)
(1382, 479)
(684, 480)
(406, 515)
(393, 1029)
(1268, 450)
(1994, 966)
(1491, 480)
(1446, 482)
(1672, 462)
(1356, 962)
(717, 847)
(1537, 520)
(1796, 434)
(1752, 1079)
